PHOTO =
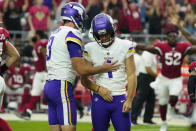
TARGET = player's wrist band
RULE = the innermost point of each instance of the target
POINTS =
(98, 89)
(3, 68)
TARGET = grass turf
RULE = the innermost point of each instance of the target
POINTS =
(43, 126)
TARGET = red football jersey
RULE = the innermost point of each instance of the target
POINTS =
(18, 74)
(38, 58)
(172, 57)
(4, 35)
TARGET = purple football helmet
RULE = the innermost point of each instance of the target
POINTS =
(101, 25)
(74, 12)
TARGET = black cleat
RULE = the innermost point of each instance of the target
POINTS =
(81, 114)
(149, 122)
(134, 122)
(26, 115)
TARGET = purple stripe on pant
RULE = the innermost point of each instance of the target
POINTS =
(61, 103)
(103, 112)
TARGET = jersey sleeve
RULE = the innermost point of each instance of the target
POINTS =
(73, 37)
(74, 49)
(7, 34)
(130, 50)
(86, 54)
(158, 47)
(187, 46)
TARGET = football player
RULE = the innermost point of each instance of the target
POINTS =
(17, 79)
(107, 45)
(191, 91)
(64, 59)
(39, 59)
(6, 48)
(168, 84)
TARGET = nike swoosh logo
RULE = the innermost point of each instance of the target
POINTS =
(122, 101)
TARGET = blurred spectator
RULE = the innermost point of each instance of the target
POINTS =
(39, 17)
(1, 4)
(1, 19)
(113, 11)
(17, 79)
(133, 16)
(123, 25)
(142, 11)
(52, 5)
(190, 21)
(154, 17)
(92, 9)
(27, 51)
(171, 8)
(83, 2)
(24, 4)
(12, 16)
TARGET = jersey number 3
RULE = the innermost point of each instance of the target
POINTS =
(173, 58)
(49, 48)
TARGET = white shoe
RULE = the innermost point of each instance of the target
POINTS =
(170, 113)
(164, 126)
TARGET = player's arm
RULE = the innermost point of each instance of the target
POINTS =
(150, 71)
(31, 23)
(43, 52)
(148, 48)
(80, 65)
(132, 83)
(192, 50)
(7, 75)
(12, 56)
(174, 20)
(187, 35)
(103, 92)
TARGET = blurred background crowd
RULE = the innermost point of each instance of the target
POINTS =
(137, 20)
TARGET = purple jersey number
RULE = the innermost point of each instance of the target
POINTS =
(49, 47)
(109, 73)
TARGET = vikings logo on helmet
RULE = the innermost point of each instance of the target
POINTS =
(74, 12)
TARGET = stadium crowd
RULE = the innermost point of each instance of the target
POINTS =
(38, 18)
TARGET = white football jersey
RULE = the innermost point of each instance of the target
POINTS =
(119, 50)
(58, 62)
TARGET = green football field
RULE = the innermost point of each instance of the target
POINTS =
(43, 126)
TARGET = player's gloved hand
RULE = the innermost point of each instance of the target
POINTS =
(126, 106)
(110, 66)
(105, 94)
(192, 98)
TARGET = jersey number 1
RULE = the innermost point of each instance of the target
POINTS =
(49, 48)
(109, 73)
